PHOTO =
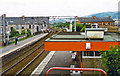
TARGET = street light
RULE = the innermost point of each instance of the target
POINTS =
(25, 25)
(8, 36)
(4, 28)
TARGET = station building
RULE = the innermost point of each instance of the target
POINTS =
(100, 21)
(86, 45)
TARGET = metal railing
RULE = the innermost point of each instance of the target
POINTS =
(76, 69)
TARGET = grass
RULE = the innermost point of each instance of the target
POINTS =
(18, 41)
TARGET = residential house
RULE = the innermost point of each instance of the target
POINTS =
(34, 24)
(100, 21)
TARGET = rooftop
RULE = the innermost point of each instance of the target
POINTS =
(97, 19)
(80, 37)
(29, 20)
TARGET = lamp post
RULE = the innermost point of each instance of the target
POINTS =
(8, 36)
(4, 28)
(25, 25)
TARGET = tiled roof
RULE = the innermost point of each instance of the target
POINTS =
(97, 19)
(28, 20)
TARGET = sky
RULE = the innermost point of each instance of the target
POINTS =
(56, 7)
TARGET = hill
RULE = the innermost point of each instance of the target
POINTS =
(114, 15)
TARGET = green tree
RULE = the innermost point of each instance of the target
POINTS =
(111, 60)
(78, 27)
(23, 32)
(28, 32)
(14, 33)
(83, 29)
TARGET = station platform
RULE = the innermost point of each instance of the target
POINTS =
(6, 50)
(54, 59)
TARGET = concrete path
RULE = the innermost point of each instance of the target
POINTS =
(20, 44)
(59, 59)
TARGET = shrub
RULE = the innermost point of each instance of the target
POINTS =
(23, 32)
(78, 27)
(111, 60)
(28, 32)
(14, 33)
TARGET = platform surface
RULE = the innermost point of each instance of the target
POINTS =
(20, 44)
(59, 59)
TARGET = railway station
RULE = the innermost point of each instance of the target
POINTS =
(60, 52)
(85, 45)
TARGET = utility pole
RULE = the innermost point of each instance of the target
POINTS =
(25, 25)
(4, 28)
(8, 32)
(75, 24)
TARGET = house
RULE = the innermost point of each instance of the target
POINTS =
(2, 29)
(100, 21)
(34, 24)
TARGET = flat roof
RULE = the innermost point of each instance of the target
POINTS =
(77, 37)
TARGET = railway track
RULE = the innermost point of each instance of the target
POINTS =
(9, 70)
(19, 67)
(9, 61)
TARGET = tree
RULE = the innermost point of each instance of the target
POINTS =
(111, 60)
(28, 32)
(83, 29)
(78, 27)
(14, 33)
(23, 32)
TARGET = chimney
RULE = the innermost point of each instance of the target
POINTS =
(23, 16)
(4, 15)
(94, 17)
(109, 16)
(76, 17)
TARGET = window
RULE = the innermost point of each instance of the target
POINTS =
(91, 54)
(11, 28)
(1, 39)
(29, 26)
(33, 26)
(112, 23)
(88, 53)
(97, 53)
(42, 27)
(17, 27)
(100, 23)
(104, 23)
(1, 32)
(22, 26)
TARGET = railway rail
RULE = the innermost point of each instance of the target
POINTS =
(19, 66)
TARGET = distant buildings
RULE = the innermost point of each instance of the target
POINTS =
(100, 21)
(34, 24)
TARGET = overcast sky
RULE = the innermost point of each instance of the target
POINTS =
(56, 7)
